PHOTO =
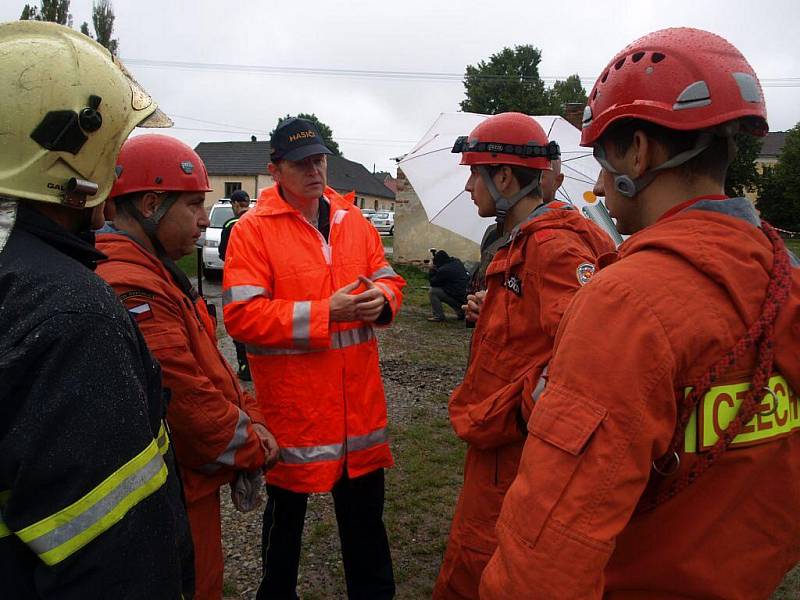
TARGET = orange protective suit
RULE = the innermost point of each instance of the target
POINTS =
(318, 382)
(208, 414)
(683, 292)
(530, 281)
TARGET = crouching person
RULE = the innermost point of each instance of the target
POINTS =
(216, 427)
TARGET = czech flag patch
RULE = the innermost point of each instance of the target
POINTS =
(141, 312)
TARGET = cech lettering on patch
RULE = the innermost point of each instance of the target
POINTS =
(136, 294)
(777, 417)
(514, 284)
(585, 272)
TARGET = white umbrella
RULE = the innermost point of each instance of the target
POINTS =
(439, 180)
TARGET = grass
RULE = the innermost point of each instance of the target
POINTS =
(421, 496)
(387, 240)
(188, 264)
(794, 246)
(416, 290)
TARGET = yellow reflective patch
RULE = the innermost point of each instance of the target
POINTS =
(4, 530)
(121, 483)
(778, 416)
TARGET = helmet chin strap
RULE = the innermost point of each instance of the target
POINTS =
(629, 187)
(150, 227)
(503, 204)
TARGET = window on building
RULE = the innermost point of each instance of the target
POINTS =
(232, 186)
(375, 205)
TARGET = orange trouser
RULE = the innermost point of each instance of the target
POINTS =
(204, 519)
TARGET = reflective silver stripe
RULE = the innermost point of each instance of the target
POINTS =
(386, 289)
(92, 515)
(352, 337)
(386, 271)
(339, 340)
(309, 454)
(242, 293)
(362, 442)
(239, 439)
(338, 216)
(301, 324)
(540, 385)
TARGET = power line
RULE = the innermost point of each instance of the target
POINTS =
(789, 82)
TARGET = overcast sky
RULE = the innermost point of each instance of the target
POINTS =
(261, 49)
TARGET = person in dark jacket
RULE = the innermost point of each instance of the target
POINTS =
(449, 279)
(90, 501)
(240, 203)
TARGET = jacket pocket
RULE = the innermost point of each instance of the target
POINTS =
(560, 429)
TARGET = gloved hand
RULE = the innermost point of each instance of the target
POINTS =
(246, 490)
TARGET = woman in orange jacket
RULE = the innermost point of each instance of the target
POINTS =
(548, 254)
(662, 460)
(216, 427)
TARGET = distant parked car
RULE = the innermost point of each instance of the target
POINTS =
(368, 212)
(383, 222)
(218, 216)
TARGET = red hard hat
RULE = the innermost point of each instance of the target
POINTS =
(508, 139)
(158, 163)
(680, 78)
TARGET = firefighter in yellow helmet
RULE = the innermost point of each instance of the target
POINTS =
(90, 503)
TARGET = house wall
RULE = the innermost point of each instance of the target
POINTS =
(250, 184)
(414, 235)
(374, 202)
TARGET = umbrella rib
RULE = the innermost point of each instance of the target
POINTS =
(441, 210)
(407, 160)
(576, 157)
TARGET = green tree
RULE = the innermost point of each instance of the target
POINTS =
(509, 81)
(56, 11)
(742, 174)
(566, 92)
(103, 21)
(325, 131)
(779, 187)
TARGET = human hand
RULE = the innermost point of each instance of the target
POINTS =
(370, 302)
(269, 444)
(342, 304)
(473, 306)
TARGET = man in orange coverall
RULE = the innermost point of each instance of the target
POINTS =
(305, 283)
(216, 427)
(662, 460)
(549, 253)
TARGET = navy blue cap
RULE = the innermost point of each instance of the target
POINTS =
(296, 139)
(240, 196)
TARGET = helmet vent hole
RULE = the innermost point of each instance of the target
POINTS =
(658, 57)
(159, 180)
(637, 57)
(619, 64)
(594, 94)
(605, 76)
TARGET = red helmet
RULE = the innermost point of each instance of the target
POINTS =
(680, 78)
(508, 139)
(158, 163)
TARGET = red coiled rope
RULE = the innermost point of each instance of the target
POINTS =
(760, 334)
